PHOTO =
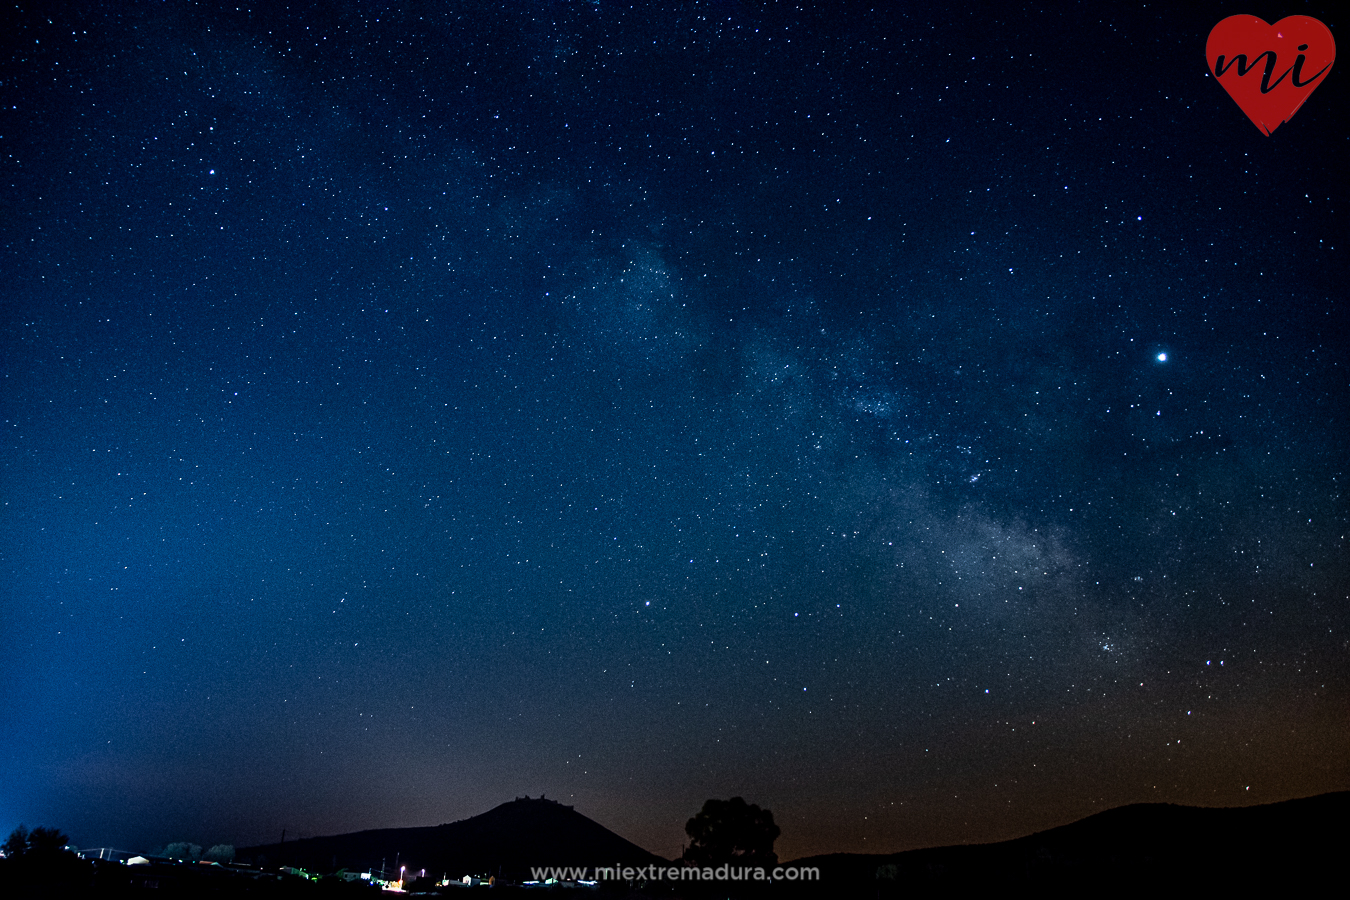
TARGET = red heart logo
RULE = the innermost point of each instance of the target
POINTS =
(1270, 69)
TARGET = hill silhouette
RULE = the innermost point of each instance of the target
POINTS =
(505, 841)
(1143, 847)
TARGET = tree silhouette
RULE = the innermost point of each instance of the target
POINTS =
(43, 842)
(17, 842)
(732, 831)
(183, 850)
(37, 863)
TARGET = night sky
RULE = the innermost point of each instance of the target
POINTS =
(928, 422)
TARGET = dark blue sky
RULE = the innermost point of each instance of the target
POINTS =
(927, 422)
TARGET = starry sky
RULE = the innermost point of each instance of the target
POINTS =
(926, 422)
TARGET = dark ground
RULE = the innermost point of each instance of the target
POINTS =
(1145, 848)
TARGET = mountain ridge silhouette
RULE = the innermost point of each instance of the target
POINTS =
(1128, 848)
(507, 840)
(1132, 847)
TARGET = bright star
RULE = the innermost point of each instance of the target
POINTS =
(1162, 357)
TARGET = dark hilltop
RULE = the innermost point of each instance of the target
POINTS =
(506, 841)
(1153, 846)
